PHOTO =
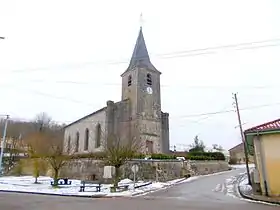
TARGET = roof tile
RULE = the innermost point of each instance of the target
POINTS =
(272, 125)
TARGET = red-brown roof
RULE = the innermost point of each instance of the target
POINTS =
(272, 125)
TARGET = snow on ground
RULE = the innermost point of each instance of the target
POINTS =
(244, 187)
(26, 184)
(228, 187)
(242, 166)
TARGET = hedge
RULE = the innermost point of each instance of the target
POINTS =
(209, 155)
(189, 156)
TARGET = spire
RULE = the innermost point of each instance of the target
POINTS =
(140, 56)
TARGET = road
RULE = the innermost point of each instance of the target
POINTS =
(205, 193)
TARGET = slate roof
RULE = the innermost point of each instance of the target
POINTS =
(85, 117)
(269, 126)
(140, 57)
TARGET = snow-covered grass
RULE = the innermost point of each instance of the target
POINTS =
(26, 184)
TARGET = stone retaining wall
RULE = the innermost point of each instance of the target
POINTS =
(161, 170)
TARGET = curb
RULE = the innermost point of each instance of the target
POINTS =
(255, 199)
(53, 194)
(243, 195)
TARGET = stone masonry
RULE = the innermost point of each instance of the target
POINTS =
(166, 169)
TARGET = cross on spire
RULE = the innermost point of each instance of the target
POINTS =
(141, 20)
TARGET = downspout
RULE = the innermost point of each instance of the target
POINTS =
(263, 165)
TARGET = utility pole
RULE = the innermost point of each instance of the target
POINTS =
(3, 144)
(243, 138)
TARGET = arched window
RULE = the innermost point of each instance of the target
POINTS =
(98, 135)
(69, 144)
(77, 142)
(149, 79)
(86, 139)
(129, 80)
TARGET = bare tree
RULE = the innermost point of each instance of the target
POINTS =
(118, 151)
(48, 146)
(55, 155)
(217, 147)
(42, 121)
(35, 144)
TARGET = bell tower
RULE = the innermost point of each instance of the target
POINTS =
(141, 86)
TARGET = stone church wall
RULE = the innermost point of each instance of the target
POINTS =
(90, 122)
(166, 170)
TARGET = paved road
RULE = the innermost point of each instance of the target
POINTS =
(205, 193)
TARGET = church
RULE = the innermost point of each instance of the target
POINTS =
(137, 116)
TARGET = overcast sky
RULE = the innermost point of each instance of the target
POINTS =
(65, 58)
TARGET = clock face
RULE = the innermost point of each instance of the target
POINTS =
(149, 90)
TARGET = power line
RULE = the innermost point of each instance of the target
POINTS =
(92, 105)
(229, 111)
(176, 117)
(177, 54)
(162, 85)
(52, 96)
(186, 116)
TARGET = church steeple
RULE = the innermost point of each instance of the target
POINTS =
(140, 57)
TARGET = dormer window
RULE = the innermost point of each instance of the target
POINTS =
(129, 80)
(149, 79)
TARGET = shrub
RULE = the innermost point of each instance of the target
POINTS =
(200, 158)
(163, 156)
(206, 156)
(139, 156)
(191, 156)
(98, 156)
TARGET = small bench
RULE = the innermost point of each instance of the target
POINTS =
(62, 181)
(85, 183)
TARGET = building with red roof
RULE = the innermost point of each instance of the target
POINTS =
(264, 140)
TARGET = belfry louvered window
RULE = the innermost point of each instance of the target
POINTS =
(129, 80)
(149, 79)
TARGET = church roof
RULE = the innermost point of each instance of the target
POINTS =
(140, 56)
(85, 117)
